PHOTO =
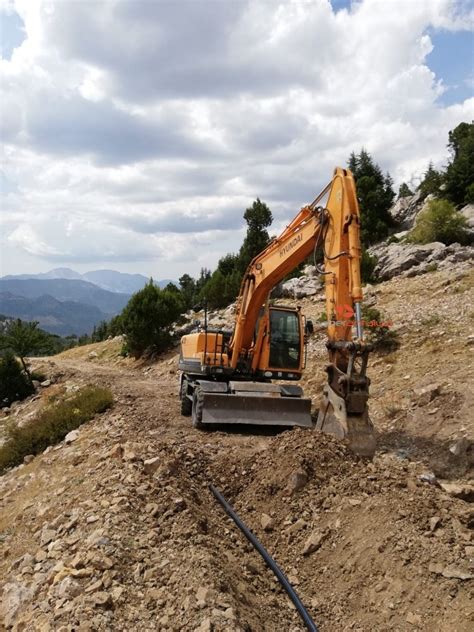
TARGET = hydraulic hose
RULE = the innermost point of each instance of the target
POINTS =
(270, 562)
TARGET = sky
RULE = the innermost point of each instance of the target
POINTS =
(135, 133)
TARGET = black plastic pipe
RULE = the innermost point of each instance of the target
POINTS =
(269, 561)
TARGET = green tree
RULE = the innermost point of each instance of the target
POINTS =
(114, 327)
(14, 383)
(204, 277)
(439, 221)
(223, 286)
(258, 218)
(187, 286)
(375, 194)
(459, 178)
(24, 339)
(431, 183)
(148, 316)
(404, 190)
(100, 332)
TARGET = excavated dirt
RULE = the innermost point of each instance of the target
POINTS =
(118, 530)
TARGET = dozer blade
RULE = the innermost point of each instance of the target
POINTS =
(356, 430)
(221, 408)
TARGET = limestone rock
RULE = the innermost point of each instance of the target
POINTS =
(395, 259)
(15, 595)
(297, 481)
(151, 465)
(406, 209)
(267, 522)
(426, 394)
(313, 543)
(300, 287)
(71, 436)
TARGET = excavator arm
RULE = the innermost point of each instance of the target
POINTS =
(335, 228)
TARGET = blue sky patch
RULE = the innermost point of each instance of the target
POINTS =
(12, 33)
(452, 60)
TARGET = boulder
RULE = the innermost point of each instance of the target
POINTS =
(468, 212)
(14, 597)
(299, 287)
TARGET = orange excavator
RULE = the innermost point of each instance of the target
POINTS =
(226, 377)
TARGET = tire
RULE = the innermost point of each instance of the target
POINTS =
(198, 403)
(186, 404)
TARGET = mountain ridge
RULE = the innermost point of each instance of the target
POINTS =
(111, 280)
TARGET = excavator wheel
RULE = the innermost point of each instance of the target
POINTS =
(186, 404)
(198, 403)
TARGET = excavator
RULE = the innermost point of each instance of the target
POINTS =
(226, 377)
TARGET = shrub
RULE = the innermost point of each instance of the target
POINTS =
(14, 383)
(439, 221)
(380, 336)
(52, 424)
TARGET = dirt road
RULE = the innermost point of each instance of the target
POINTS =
(118, 531)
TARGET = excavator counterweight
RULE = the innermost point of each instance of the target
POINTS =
(229, 377)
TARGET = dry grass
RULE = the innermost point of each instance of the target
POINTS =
(52, 424)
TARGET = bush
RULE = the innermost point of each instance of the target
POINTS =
(52, 424)
(380, 336)
(14, 383)
(439, 221)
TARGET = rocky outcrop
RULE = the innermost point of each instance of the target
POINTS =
(468, 213)
(412, 259)
(308, 284)
(300, 287)
(406, 209)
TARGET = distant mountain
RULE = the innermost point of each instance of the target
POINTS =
(57, 273)
(116, 281)
(57, 317)
(110, 303)
(110, 280)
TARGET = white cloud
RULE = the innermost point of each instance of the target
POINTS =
(139, 131)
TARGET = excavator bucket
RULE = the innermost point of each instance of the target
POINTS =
(269, 409)
(355, 429)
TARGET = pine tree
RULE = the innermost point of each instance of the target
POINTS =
(432, 181)
(258, 218)
(459, 178)
(375, 194)
(404, 190)
(147, 318)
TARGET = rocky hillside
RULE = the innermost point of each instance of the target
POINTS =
(115, 528)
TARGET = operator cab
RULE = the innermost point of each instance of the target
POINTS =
(285, 339)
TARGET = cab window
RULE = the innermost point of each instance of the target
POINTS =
(284, 340)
